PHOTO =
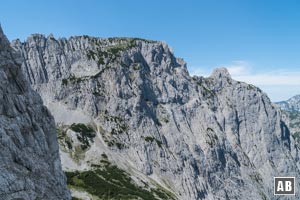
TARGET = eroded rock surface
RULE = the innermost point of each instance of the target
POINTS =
(30, 166)
(201, 138)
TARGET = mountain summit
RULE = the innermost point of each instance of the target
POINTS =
(129, 104)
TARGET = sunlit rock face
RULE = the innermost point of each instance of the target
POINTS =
(199, 138)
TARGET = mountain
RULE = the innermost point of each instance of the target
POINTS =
(291, 115)
(292, 105)
(30, 165)
(133, 123)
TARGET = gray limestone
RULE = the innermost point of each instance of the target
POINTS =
(30, 167)
(203, 138)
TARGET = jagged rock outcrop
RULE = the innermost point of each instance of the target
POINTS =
(201, 138)
(29, 156)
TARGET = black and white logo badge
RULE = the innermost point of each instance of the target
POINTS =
(284, 185)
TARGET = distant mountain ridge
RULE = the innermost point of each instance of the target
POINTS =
(292, 104)
(131, 119)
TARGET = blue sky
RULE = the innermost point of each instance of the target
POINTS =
(258, 40)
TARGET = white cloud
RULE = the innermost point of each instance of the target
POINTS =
(280, 84)
(242, 71)
(238, 68)
(292, 78)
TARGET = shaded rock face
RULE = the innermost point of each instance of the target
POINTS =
(30, 165)
(291, 116)
(202, 138)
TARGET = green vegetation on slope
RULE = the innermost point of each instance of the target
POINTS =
(294, 115)
(296, 136)
(71, 79)
(152, 139)
(108, 54)
(107, 181)
(75, 198)
(86, 134)
(112, 135)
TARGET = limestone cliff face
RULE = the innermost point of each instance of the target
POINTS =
(202, 138)
(29, 156)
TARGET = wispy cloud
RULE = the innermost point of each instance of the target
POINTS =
(271, 79)
(238, 68)
(278, 77)
(243, 71)
(279, 84)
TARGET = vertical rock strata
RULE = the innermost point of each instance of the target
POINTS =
(30, 166)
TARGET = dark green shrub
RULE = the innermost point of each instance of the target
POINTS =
(151, 139)
(86, 134)
(75, 198)
(65, 81)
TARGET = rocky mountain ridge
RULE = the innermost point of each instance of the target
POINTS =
(130, 103)
(30, 165)
(291, 105)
